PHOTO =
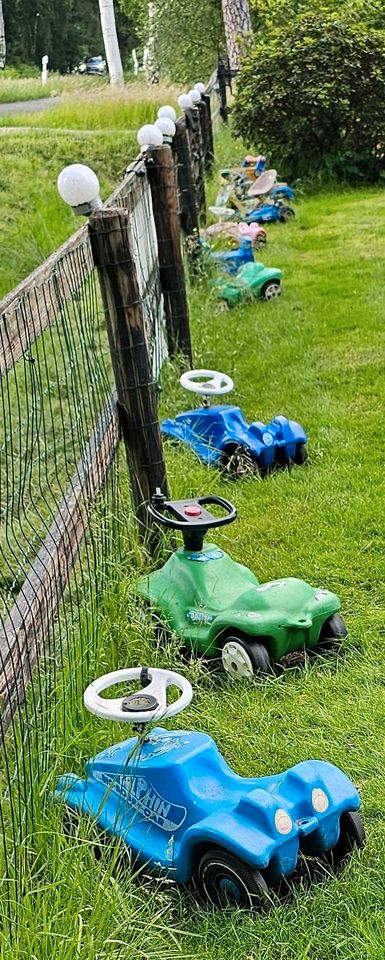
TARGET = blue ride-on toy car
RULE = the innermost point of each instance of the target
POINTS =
(186, 815)
(230, 261)
(221, 436)
(275, 212)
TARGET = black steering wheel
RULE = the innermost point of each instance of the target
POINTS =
(190, 516)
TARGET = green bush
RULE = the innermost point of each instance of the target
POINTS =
(311, 95)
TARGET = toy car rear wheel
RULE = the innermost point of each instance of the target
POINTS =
(243, 659)
(226, 880)
(333, 632)
(271, 290)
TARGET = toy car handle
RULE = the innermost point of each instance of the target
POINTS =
(145, 705)
(216, 382)
(191, 513)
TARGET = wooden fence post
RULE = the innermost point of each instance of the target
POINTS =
(162, 180)
(222, 89)
(112, 253)
(188, 208)
(209, 158)
(193, 124)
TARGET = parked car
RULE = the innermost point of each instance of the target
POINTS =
(94, 66)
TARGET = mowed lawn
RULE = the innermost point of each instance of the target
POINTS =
(317, 355)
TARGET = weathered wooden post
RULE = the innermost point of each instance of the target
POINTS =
(209, 158)
(162, 180)
(111, 247)
(188, 209)
(222, 89)
(193, 125)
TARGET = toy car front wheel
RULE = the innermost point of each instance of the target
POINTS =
(352, 834)
(332, 633)
(301, 454)
(286, 213)
(244, 659)
(271, 290)
(228, 881)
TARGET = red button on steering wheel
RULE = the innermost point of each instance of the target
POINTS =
(192, 511)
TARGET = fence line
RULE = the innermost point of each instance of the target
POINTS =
(59, 478)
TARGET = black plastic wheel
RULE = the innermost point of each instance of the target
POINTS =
(271, 290)
(239, 463)
(228, 881)
(352, 835)
(286, 213)
(280, 457)
(243, 659)
(333, 632)
(300, 454)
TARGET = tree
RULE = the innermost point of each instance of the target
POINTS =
(66, 39)
(236, 19)
(111, 45)
(187, 35)
(2, 38)
(311, 93)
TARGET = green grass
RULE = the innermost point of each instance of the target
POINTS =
(13, 89)
(105, 108)
(34, 219)
(317, 356)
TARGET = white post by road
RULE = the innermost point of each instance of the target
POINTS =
(44, 70)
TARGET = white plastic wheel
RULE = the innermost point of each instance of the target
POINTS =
(272, 290)
(236, 661)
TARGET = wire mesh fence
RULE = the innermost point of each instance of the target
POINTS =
(58, 495)
(59, 504)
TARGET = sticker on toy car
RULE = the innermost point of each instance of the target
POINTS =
(197, 616)
(141, 794)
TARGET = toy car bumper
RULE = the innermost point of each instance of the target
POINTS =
(269, 825)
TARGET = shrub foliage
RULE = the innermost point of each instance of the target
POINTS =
(311, 95)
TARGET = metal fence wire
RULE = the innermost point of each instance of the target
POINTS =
(59, 532)
(60, 495)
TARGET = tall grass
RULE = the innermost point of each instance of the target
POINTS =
(107, 108)
(317, 356)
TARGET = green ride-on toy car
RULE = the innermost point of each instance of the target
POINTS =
(253, 281)
(218, 607)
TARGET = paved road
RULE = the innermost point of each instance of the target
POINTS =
(28, 106)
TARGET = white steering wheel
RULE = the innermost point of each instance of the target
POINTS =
(206, 382)
(143, 706)
(223, 213)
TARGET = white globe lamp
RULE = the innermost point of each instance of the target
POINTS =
(78, 186)
(185, 102)
(167, 128)
(167, 112)
(194, 96)
(149, 136)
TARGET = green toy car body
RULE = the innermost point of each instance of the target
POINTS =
(252, 280)
(220, 610)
